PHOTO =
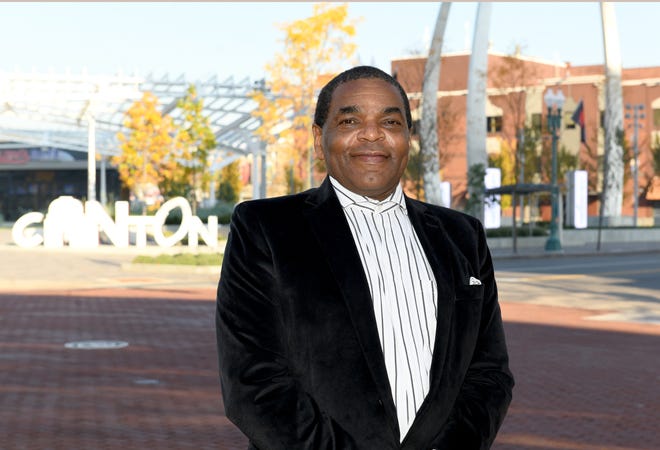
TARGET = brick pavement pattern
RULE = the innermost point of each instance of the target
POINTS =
(581, 385)
(161, 391)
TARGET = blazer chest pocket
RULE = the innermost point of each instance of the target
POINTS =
(467, 293)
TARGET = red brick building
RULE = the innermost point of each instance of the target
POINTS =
(515, 88)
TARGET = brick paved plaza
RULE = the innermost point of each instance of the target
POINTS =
(581, 384)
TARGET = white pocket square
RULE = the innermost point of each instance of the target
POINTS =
(474, 282)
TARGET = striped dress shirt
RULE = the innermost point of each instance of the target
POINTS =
(403, 290)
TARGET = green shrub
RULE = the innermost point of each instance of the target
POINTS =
(222, 210)
(521, 231)
(186, 259)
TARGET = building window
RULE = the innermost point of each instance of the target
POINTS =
(656, 118)
(537, 122)
(568, 120)
(602, 118)
(494, 124)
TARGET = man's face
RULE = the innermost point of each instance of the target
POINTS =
(365, 139)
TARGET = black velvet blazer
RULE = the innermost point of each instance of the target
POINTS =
(301, 365)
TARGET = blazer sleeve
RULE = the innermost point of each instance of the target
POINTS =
(486, 392)
(261, 395)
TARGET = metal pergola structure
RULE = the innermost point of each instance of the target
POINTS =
(84, 113)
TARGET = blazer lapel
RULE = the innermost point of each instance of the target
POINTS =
(332, 231)
(438, 249)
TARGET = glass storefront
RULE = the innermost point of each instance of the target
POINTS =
(30, 178)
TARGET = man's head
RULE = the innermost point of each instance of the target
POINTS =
(356, 73)
(362, 131)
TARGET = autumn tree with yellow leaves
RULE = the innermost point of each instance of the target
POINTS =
(229, 188)
(194, 141)
(146, 159)
(159, 156)
(313, 47)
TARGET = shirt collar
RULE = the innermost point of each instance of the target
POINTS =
(349, 199)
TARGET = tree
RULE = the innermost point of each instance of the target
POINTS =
(531, 156)
(655, 150)
(194, 141)
(514, 78)
(505, 160)
(313, 47)
(652, 175)
(229, 188)
(592, 162)
(565, 161)
(429, 119)
(146, 160)
(412, 176)
(474, 204)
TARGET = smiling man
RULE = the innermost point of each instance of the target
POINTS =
(350, 316)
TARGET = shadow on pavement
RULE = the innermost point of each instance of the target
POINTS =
(582, 388)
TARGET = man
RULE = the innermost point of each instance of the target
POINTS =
(352, 317)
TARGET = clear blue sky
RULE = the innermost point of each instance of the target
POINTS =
(238, 39)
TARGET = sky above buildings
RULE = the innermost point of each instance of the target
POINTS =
(226, 39)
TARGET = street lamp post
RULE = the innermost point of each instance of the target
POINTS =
(554, 102)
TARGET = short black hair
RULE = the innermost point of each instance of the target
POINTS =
(356, 73)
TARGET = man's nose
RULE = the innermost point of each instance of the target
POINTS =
(371, 131)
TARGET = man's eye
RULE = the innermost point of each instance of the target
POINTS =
(392, 122)
(347, 121)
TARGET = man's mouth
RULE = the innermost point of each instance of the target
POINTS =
(370, 157)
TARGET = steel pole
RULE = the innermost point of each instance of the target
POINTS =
(91, 158)
(103, 183)
(553, 244)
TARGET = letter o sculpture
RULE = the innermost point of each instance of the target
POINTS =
(161, 216)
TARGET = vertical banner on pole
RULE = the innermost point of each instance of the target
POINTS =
(492, 208)
(445, 193)
(577, 198)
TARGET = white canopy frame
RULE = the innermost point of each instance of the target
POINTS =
(84, 113)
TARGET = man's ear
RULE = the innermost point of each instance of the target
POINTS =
(318, 141)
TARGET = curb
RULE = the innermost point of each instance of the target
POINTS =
(171, 268)
(562, 254)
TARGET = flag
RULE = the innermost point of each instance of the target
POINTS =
(578, 118)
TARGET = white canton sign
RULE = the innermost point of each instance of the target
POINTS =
(69, 222)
